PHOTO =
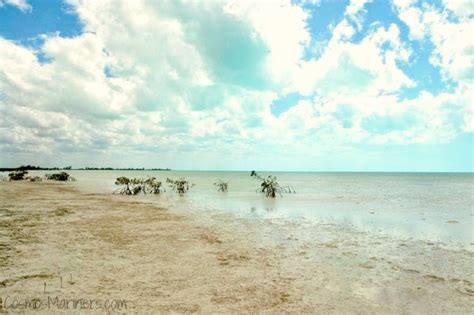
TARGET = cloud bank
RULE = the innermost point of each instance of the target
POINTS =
(191, 84)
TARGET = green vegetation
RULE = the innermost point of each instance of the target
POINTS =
(33, 168)
(181, 185)
(89, 168)
(222, 186)
(130, 187)
(17, 175)
(21, 175)
(62, 177)
(134, 186)
(270, 187)
(39, 168)
(152, 186)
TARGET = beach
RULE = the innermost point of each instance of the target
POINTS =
(144, 255)
(236, 157)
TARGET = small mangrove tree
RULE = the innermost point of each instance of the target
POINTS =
(270, 186)
(17, 175)
(222, 186)
(134, 186)
(180, 185)
(61, 177)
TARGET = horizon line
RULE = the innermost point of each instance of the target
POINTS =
(167, 169)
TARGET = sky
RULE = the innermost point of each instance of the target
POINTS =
(303, 85)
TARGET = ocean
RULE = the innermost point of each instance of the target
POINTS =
(432, 207)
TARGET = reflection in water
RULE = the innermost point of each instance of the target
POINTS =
(434, 207)
(256, 211)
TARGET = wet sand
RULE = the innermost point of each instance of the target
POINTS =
(57, 241)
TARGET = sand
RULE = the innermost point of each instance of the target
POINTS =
(59, 242)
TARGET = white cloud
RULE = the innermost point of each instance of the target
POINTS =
(20, 4)
(355, 6)
(167, 88)
(412, 17)
(282, 26)
(461, 8)
(351, 68)
(201, 76)
(454, 52)
(343, 31)
(372, 119)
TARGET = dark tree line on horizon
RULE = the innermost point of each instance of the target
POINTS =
(33, 168)
(87, 168)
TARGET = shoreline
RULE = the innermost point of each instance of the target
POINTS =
(429, 208)
(159, 259)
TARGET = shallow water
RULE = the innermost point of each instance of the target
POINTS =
(433, 207)
(177, 260)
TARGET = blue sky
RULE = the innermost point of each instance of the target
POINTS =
(305, 85)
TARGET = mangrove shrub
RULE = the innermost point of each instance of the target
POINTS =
(17, 175)
(62, 177)
(270, 186)
(222, 186)
(181, 185)
(134, 186)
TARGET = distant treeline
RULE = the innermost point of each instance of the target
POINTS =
(33, 168)
(39, 168)
(122, 169)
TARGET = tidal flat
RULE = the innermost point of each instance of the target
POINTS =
(57, 240)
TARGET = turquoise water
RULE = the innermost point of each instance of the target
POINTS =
(434, 207)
